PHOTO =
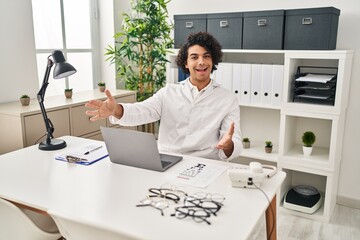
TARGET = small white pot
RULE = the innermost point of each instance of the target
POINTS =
(307, 151)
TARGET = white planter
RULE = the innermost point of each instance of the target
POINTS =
(307, 151)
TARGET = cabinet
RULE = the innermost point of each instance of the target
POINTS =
(24, 125)
(284, 122)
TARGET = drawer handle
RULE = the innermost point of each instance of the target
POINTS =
(307, 21)
(261, 22)
(189, 24)
(224, 24)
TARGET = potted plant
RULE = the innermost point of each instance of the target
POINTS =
(268, 146)
(246, 143)
(68, 92)
(142, 44)
(101, 86)
(25, 100)
(308, 139)
(144, 39)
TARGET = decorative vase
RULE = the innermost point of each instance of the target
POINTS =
(25, 101)
(246, 145)
(268, 149)
(68, 94)
(307, 151)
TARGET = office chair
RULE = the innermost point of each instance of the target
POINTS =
(15, 224)
(77, 230)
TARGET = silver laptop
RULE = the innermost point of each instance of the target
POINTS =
(136, 149)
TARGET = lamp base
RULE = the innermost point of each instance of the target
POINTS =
(55, 144)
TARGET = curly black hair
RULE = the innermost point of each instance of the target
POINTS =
(205, 40)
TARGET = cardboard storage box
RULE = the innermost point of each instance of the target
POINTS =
(263, 29)
(226, 28)
(311, 29)
(186, 24)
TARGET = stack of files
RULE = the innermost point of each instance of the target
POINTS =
(84, 155)
(255, 84)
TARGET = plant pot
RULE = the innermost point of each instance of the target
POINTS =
(68, 94)
(307, 151)
(102, 88)
(268, 149)
(25, 101)
(246, 145)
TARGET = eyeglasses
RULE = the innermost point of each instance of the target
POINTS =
(198, 214)
(207, 205)
(157, 203)
(218, 198)
(169, 192)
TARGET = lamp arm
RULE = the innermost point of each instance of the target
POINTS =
(40, 97)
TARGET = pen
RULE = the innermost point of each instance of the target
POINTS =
(92, 150)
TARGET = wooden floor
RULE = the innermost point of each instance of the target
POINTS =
(343, 225)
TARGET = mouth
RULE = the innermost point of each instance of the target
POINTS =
(201, 70)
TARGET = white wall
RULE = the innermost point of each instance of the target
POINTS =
(18, 72)
(348, 38)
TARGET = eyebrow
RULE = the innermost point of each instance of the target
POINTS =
(195, 54)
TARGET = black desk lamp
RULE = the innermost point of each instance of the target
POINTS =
(62, 69)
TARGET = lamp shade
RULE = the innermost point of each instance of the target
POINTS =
(62, 68)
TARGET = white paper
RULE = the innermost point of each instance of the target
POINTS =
(96, 152)
(320, 78)
(198, 174)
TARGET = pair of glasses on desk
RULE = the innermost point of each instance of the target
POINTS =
(74, 159)
(199, 206)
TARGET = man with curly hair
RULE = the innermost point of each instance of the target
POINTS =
(197, 116)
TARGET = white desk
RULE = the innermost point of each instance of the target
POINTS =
(105, 194)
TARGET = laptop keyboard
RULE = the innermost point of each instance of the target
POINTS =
(165, 163)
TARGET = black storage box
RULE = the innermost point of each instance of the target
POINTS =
(226, 28)
(263, 29)
(186, 24)
(311, 29)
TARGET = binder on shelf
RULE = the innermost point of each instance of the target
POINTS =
(256, 79)
(224, 75)
(181, 75)
(315, 87)
(266, 84)
(236, 80)
(277, 87)
(245, 84)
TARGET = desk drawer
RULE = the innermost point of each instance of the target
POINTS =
(81, 124)
(35, 126)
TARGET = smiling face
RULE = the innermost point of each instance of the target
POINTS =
(199, 62)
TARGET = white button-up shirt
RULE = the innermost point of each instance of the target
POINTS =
(188, 125)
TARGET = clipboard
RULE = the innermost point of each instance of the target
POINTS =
(85, 155)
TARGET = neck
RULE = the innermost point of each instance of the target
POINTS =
(200, 85)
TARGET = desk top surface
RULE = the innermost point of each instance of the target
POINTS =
(105, 194)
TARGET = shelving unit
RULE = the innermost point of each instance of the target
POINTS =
(285, 123)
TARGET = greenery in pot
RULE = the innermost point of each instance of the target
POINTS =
(268, 146)
(68, 92)
(308, 138)
(68, 89)
(246, 142)
(140, 58)
(25, 100)
(101, 84)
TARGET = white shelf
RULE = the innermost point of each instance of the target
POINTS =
(284, 123)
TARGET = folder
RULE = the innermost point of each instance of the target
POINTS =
(245, 84)
(236, 80)
(224, 75)
(256, 79)
(266, 84)
(278, 81)
(84, 155)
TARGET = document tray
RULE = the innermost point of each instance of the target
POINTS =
(315, 85)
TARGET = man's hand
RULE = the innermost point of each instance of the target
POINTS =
(226, 143)
(104, 109)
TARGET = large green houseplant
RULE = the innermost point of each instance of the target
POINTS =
(144, 40)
